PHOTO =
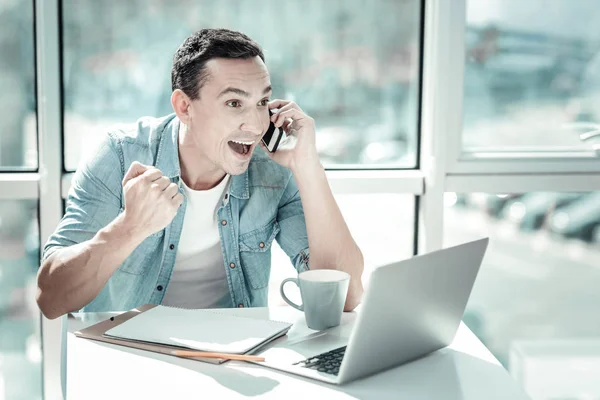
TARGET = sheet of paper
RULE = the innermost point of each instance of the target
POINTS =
(203, 330)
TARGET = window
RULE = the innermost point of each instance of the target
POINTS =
(382, 239)
(532, 75)
(18, 131)
(20, 353)
(353, 66)
(536, 294)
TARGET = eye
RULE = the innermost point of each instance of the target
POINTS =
(264, 102)
(233, 103)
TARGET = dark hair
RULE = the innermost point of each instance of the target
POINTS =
(189, 62)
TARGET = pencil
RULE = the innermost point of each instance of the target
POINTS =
(226, 356)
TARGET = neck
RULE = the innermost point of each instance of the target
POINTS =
(197, 171)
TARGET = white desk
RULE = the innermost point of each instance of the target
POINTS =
(465, 370)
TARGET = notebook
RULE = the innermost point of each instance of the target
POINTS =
(203, 330)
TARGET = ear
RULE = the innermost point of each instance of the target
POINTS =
(181, 105)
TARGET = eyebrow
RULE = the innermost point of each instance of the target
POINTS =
(241, 92)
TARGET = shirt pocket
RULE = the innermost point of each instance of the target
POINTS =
(145, 256)
(255, 254)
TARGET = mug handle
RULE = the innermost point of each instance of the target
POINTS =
(291, 303)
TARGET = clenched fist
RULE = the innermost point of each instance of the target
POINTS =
(151, 200)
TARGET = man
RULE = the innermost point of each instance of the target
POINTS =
(183, 210)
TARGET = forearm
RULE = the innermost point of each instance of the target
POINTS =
(73, 276)
(329, 239)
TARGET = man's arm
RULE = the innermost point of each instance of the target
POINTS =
(329, 240)
(92, 240)
(72, 277)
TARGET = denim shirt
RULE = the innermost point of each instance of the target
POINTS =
(258, 206)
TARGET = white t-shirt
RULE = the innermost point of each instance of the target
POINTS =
(199, 279)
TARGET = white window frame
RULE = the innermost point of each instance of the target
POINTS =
(22, 186)
(520, 162)
(49, 119)
(444, 167)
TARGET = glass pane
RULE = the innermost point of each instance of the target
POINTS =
(535, 301)
(383, 241)
(532, 74)
(18, 127)
(20, 352)
(351, 65)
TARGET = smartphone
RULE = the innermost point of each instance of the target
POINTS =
(271, 139)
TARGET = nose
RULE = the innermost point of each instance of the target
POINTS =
(254, 122)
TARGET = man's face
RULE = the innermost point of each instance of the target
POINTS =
(231, 115)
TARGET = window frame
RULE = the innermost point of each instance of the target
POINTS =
(49, 119)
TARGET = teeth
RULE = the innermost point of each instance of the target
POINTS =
(246, 143)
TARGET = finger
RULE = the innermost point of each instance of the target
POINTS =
(286, 106)
(287, 124)
(135, 169)
(162, 183)
(293, 113)
(280, 104)
(171, 190)
(277, 114)
(151, 175)
(277, 103)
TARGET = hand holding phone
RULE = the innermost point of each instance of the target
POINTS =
(271, 138)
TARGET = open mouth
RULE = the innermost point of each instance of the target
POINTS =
(240, 147)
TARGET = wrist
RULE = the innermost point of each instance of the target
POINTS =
(113, 244)
(307, 166)
(124, 231)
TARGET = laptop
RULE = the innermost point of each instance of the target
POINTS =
(410, 309)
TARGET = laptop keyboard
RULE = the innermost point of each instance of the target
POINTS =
(326, 362)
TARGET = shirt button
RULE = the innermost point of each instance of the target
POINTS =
(261, 245)
(223, 222)
(172, 246)
(240, 305)
(159, 288)
(232, 265)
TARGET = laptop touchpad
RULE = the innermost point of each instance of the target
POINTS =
(319, 344)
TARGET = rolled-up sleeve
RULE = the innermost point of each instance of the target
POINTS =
(94, 198)
(292, 237)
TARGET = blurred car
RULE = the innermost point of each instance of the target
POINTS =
(530, 211)
(580, 219)
(492, 204)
